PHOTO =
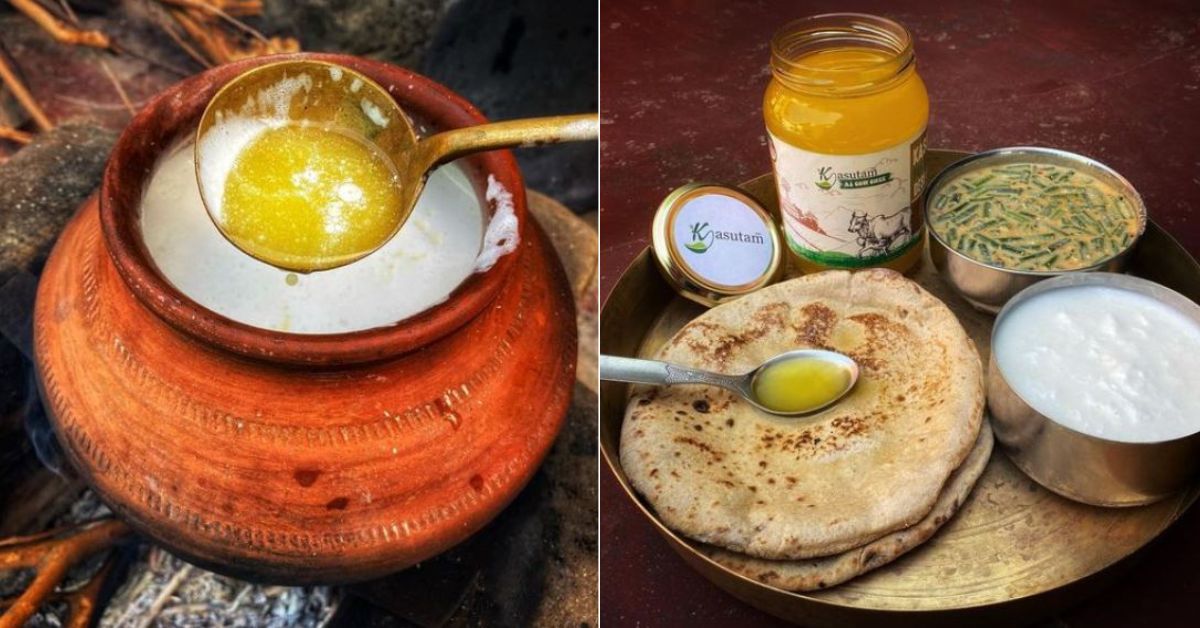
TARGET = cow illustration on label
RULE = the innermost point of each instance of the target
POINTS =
(880, 234)
(850, 211)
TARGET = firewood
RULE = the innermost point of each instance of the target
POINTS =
(61, 32)
(52, 554)
(9, 77)
(15, 135)
(41, 186)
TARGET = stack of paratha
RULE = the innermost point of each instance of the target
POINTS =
(803, 504)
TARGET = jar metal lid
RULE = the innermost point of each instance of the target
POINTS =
(714, 242)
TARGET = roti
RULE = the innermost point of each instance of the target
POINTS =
(821, 573)
(720, 472)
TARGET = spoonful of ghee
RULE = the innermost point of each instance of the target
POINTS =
(794, 383)
(307, 165)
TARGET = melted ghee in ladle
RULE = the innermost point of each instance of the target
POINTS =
(800, 384)
(302, 194)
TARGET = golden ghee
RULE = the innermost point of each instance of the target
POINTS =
(800, 384)
(305, 197)
(846, 114)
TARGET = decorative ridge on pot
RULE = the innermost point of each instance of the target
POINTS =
(176, 111)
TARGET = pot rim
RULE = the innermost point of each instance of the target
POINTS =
(155, 129)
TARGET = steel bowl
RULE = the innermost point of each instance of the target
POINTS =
(989, 287)
(1080, 466)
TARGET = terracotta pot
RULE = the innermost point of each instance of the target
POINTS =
(393, 445)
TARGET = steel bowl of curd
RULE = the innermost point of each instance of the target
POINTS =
(1091, 387)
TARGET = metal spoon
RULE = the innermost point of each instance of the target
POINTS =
(639, 371)
(333, 96)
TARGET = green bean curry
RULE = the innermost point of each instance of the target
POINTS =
(1039, 217)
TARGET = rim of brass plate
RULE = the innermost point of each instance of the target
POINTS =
(615, 316)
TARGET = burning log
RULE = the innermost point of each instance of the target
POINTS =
(42, 186)
(15, 135)
(52, 554)
(62, 33)
(40, 189)
(9, 76)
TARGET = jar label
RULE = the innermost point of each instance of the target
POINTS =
(722, 240)
(850, 211)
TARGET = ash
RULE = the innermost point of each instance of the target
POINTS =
(87, 508)
(163, 590)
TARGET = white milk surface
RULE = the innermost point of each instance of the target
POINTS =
(433, 253)
(1104, 361)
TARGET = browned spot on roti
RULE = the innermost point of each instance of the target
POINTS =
(715, 343)
(865, 361)
(721, 402)
(708, 340)
(701, 405)
(816, 324)
(849, 426)
(764, 320)
(686, 440)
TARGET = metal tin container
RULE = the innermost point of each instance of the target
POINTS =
(1076, 465)
(714, 242)
(989, 287)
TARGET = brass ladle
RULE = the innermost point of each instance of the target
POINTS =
(336, 97)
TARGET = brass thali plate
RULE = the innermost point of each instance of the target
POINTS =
(1013, 553)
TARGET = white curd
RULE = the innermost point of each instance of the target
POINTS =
(1104, 361)
(431, 255)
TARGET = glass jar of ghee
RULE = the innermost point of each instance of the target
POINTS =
(846, 115)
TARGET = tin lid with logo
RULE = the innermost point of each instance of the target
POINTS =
(714, 242)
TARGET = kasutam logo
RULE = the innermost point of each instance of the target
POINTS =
(827, 178)
(703, 237)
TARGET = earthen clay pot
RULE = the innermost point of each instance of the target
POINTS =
(298, 458)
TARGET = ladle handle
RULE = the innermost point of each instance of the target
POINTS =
(633, 370)
(449, 145)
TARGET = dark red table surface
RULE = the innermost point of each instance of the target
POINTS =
(681, 88)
